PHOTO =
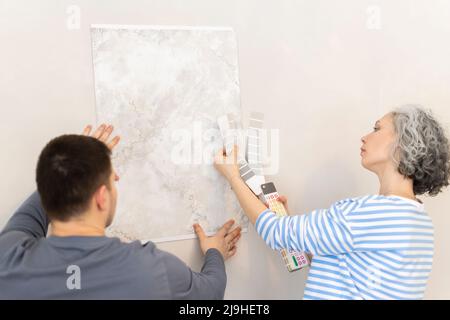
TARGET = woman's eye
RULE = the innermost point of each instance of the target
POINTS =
(375, 128)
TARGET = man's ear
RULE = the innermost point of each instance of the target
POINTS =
(100, 197)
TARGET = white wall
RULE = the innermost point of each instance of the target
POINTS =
(317, 69)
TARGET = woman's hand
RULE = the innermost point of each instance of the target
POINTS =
(227, 165)
(102, 133)
(284, 202)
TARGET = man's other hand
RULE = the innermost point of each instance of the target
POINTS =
(224, 240)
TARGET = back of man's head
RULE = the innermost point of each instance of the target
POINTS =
(69, 171)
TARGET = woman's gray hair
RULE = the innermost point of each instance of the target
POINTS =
(423, 149)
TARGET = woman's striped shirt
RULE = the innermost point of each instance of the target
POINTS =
(371, 247)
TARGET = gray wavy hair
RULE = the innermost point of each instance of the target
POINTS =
(423, 149)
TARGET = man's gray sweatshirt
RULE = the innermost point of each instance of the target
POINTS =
(33, 266)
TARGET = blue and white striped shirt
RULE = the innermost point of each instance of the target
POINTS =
(371, 247)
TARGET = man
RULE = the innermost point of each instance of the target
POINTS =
(77, 196)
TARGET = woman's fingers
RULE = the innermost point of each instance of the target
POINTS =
(234, 153)
(284, 202)
(282, 199)
(220, 156)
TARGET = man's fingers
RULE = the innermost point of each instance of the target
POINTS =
(99, 131)
(232, 251)
(236, 231)
(102, 133)
(106, 133)
(233, 234)
(87, 130)
(226, 227)
(233, 242)
(113, 142)
(199, 231)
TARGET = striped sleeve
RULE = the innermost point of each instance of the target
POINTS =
(356, 224)
(321, 232)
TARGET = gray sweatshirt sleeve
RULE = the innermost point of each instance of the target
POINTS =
(30, 218)
(208, 284)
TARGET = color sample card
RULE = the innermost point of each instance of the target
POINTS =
(293, 260)
(254, 143)
(231, 133)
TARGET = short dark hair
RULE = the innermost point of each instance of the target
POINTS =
(69, 171)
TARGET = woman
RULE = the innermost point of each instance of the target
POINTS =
(377, 246)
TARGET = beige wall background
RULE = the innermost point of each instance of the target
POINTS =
(321, 71)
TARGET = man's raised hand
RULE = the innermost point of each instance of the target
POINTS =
(102, 133)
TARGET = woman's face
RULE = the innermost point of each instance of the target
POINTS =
(376, 146)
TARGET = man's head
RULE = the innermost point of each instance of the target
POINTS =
(74, 177)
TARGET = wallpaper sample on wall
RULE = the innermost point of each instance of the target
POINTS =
(163, 88)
